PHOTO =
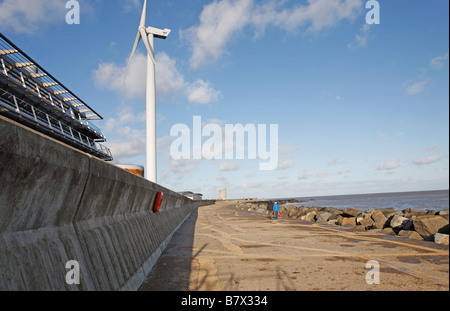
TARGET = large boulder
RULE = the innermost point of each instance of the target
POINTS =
(310, 216)
(351, 212)
(386, 211)
(346, 221)
(366, 222)
(363, 215)
(441, 238)
(388, 231)
(323, 217)
(400, 222)
(379, 220)
(429, 225)
(410, 235)
(293, 213)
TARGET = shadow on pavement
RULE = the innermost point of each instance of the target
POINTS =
(173, 269)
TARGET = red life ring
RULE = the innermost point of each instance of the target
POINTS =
(159, 198)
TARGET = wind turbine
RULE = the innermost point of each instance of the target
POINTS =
(147, 34)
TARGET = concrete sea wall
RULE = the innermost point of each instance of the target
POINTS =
(58, 204)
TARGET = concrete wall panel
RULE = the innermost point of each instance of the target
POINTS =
(59, 204)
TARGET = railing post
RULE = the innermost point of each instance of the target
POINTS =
(4, 68)
(34, 113)
(60, 126)
(23, 80)
(49, 123)
(15, 102)
(38, 91)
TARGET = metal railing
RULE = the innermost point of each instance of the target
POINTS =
(27, 112)
(46, 98)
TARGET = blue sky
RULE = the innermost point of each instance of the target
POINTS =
(360, 108)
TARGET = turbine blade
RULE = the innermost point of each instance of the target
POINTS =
(144, 14)
(150, 51)
(138, 38)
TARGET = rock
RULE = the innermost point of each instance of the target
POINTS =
(414, 212)
(323, 217)
(366, 222)
(360, 228)
(351, 212)
(429, 225)
(444, 230)
(335, 215)
(332, 222)
(363, 215)
(310, 216)
(389, 215)
(293, 213)
(261, 210)
(441, 238)
(410, 235)
(379, 220)
(386, 211)
(389, 231)
(400, 222)
(376, 230)
(442, 213)
(346, 221)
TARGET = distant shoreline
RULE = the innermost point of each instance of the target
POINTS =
(362, 194)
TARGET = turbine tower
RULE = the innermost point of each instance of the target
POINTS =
(147, 34)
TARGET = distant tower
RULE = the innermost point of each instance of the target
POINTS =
(223, 194)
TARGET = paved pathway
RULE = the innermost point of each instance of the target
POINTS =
(220, 248)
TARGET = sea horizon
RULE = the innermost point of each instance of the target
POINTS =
(423, 200)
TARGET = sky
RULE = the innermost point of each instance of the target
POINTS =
(360, 108)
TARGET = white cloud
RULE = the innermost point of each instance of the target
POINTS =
(130, 142)
(434, 148)
(413, 88)
(178, 169)
(30, 16)
(287, 149)
(361, 38)
(322, 174)
(220, 21)
(169, 80)
(112, 77)
(303, 175)
(391, 165)
(226, 166)
(426, 161)
(201, 93)
(336, 162)
(288, 163)
(439, 61)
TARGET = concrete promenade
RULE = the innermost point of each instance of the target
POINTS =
(220, 248)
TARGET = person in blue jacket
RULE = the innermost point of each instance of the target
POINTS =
(276, 209)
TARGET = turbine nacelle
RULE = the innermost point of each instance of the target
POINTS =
(158, 33)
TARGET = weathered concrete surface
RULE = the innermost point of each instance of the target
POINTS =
(58, 204)
(223, 249)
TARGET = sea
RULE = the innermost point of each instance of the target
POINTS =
(422, 200)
